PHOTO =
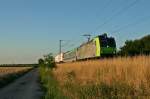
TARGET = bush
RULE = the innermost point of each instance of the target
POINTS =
(48, 61)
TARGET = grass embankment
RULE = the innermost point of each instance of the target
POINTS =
(118, 78)
(9, 74)
(108, 78)
(50, 85)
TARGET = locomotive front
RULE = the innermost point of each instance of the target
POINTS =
(107, 45)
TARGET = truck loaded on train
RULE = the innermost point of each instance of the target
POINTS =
(99, 46)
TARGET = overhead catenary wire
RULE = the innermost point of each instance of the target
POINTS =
(106, 5)
(143, 19)
(103, 8)
(66, 43)
(71, 44)
(110, 18)
(117, 14)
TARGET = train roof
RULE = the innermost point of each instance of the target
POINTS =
(88, 41)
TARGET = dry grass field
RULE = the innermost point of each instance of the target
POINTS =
(9, 74)
(122, 76)
(11, 70)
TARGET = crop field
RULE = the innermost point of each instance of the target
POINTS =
(117, 78)
(8, 74)
(11, 70)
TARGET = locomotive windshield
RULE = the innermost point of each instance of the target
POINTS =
(111, 42)
(103, 42)
(107, 42)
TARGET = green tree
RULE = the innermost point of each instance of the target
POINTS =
(136, 47)
(49, 60)
(41, 62)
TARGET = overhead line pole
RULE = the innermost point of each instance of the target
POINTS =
(60, 43)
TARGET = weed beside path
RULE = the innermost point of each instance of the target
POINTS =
(50, 85)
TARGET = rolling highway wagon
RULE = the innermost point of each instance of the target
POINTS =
(99, 46)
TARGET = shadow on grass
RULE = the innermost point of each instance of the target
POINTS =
(7, 79)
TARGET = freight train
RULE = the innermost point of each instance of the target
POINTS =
(99, 46)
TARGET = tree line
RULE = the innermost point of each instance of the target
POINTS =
(136, 47)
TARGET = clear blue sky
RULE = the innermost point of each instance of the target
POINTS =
(32, 28)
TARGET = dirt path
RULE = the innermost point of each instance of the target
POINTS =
(26, 87)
